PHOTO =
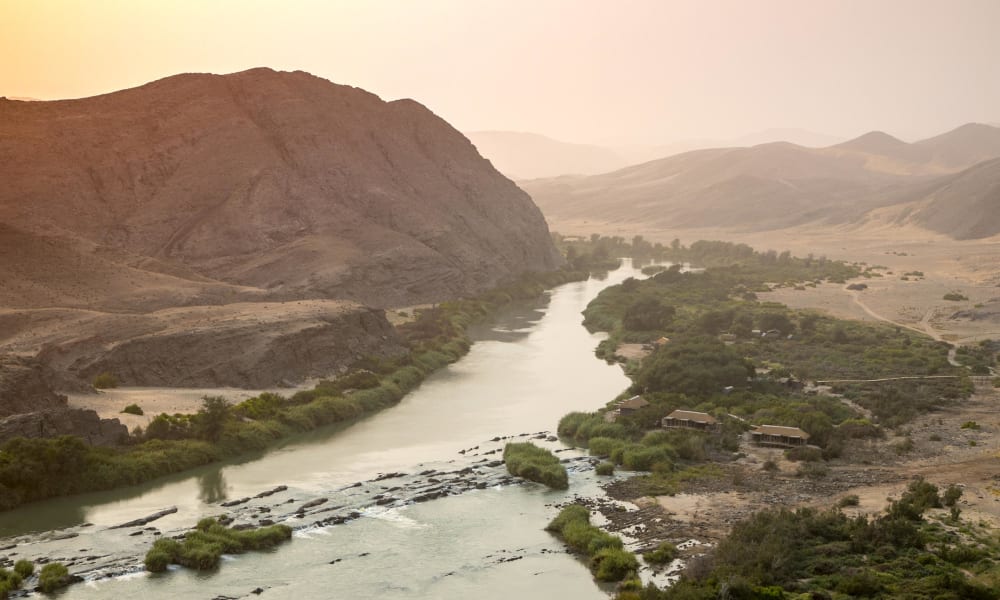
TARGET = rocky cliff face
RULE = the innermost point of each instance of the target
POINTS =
(29, 408)
(82, 423)
(273, 346)
(282, 181)
(23, 387)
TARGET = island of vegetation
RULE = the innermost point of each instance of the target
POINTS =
(203, 546)
(527, 460)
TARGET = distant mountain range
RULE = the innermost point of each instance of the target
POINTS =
(521, 156)
(941, 183)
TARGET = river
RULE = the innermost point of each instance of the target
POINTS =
(533, 364)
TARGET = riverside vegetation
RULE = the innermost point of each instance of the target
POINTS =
(744, 361)
(527, 460)
(810, 553)
(34, 469)
(607, 557)
(203, 546)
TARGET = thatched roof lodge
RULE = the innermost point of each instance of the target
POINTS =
(689, 419)
(632, 404)
(777, 435)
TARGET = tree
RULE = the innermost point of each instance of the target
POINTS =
(776, 320)
(212, 417)
(647, 314)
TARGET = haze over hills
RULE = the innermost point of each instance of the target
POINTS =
(248, 191)
(778, 185)
(521, 155)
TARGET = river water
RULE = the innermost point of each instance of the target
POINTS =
(531, 366)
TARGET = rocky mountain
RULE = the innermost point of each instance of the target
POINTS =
(521, 155)
(776, 185)
(242, 229)
(281, 181)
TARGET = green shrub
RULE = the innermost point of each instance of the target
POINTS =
(52, 577)
(970, 425)
(203, 546)
(570, 513)
(526, 460)
(955, 297)
(133, 409)
(604, 446)
(642, 458)
(609, 560)
(613, 564)
(164, 552)
(24, 568)
(663, 554)
(951, 495)
(605, 469)
(105, 381)
(849, 500)
(9, 581)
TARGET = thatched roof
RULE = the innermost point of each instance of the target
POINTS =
(690, 415)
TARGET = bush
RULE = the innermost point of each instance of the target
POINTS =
(133, 409)
(643, 458)
(105, 381)
(903, 446)
(526, 460)
(52, 577)
(162, 553)
(663, 554)
(605, 469)
(955, 297)
(770, 466)
(604, 446)
(203, 546)
(849, 500)
(970, 425)
(24, 568)
(951, 495)
(9, 581)
(613, 564)
(609, 560)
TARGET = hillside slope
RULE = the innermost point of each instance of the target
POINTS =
(281, 181)
(963, 206)
(778, 185)
(239, 230)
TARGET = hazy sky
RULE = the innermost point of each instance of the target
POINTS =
(611, 71)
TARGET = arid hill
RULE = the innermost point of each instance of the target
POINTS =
(778, 185)
(282, 181)
(963, 206)
(240, 230)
